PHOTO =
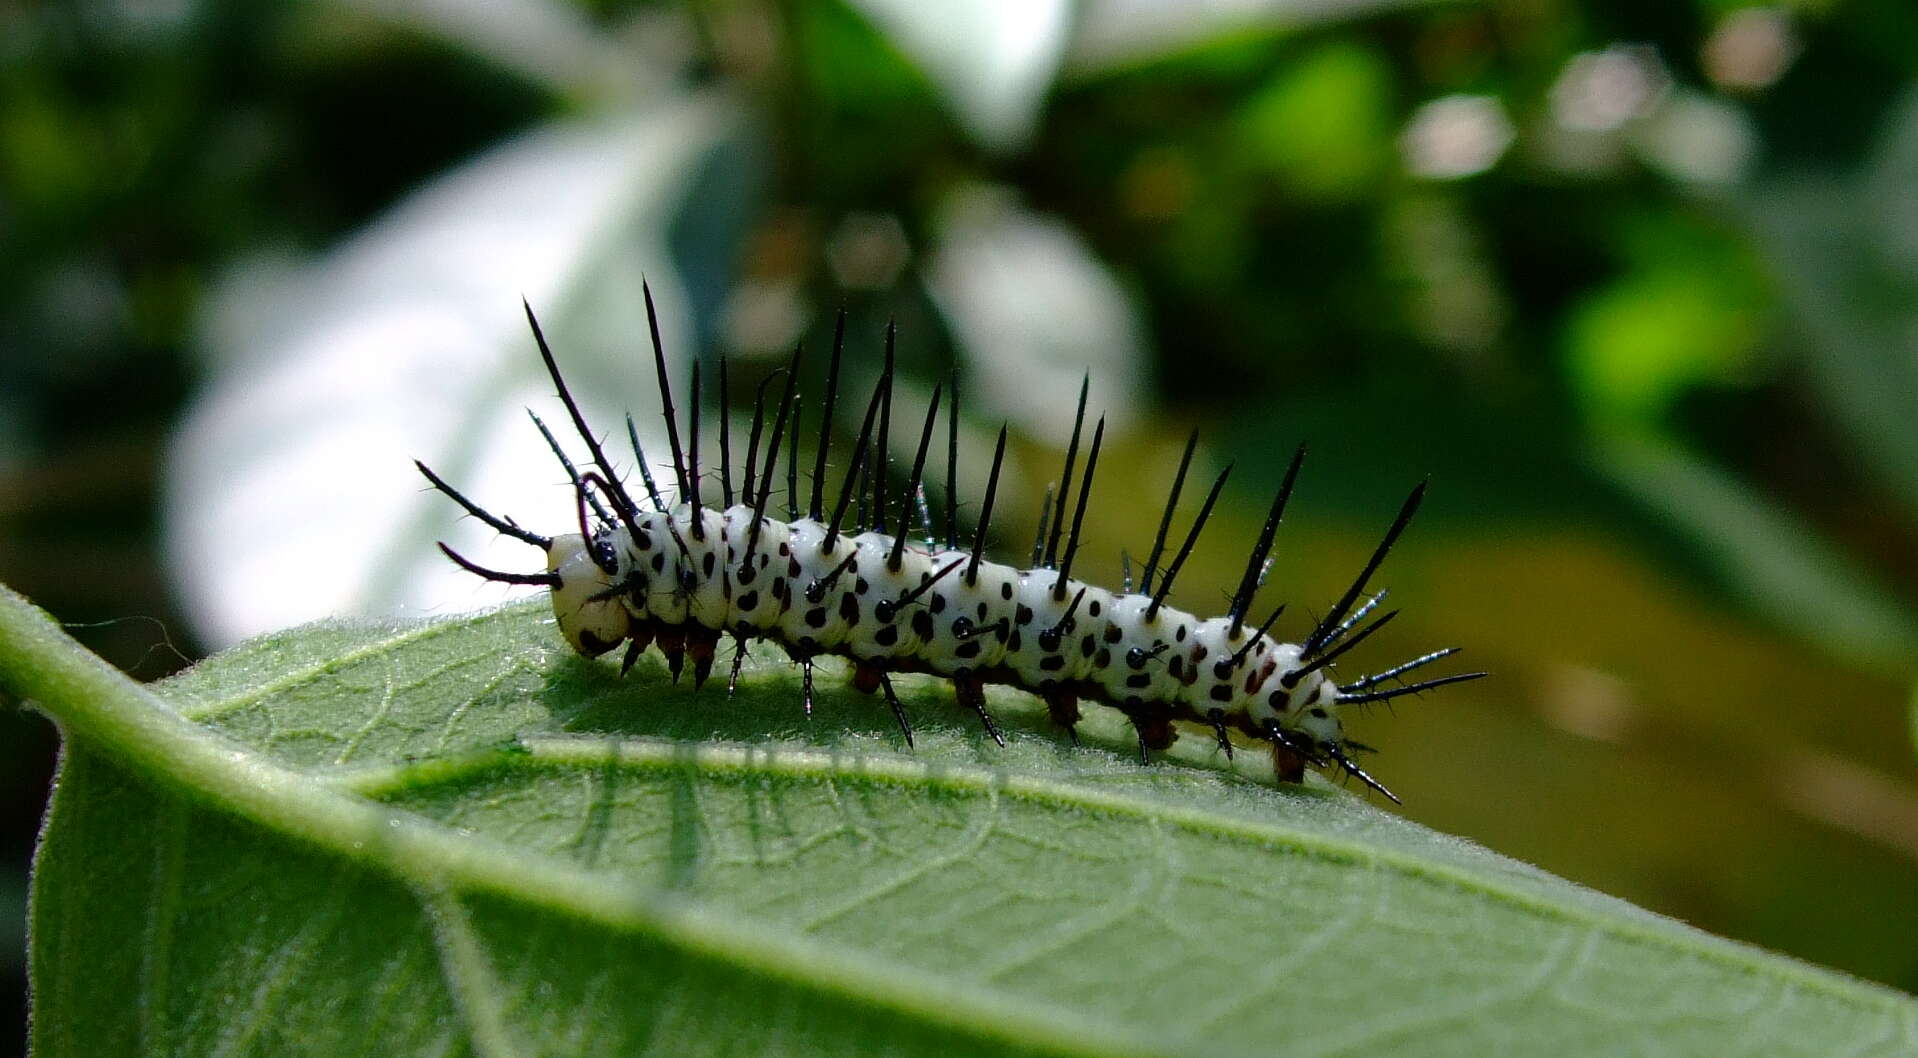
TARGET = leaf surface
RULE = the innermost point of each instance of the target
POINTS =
(457, 838)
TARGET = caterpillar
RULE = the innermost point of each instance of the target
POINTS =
(680, 573)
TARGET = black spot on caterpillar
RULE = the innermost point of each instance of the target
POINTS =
(663, 573)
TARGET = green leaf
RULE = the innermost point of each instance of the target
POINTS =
(455, 837)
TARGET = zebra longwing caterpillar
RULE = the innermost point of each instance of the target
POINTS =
(675, 570)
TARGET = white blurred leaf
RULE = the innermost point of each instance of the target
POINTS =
(993, 59)
(1034, 312)
(1113, 33)
(291, 490)
(544, 41)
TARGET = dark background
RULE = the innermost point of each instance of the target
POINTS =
(1659, 354)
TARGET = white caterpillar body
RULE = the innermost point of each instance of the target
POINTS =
(682, 574)
(1107, 650)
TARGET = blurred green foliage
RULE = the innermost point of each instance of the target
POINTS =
(1656, 353)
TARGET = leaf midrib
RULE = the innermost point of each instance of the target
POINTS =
(653, 756)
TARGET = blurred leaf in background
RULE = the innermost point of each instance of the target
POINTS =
(1631, 282)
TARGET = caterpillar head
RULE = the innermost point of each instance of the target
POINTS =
(590, 614)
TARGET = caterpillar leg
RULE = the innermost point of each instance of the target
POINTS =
(1062, 704)
(971, 691)
(1154, 728)
(1217, 719)
(1287, 764)
(701, 644)
(871, 676)
(672, 643)
(739, 659)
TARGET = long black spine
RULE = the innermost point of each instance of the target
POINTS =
(852, 472)
(645, 471)
(1410, 688)
(1337, 614)
(725, 440)
(1398, 670)
(622, 503)
(816, 510)
(1292, 678)
(751, 479)
(572, 472)
(985, 509)
(1255, 565)
(550, 580)
(1165, 522)
(692, 457)
(500, 525)
(952, 465)
(665, 392)
(881, 459)
(792, 464)
(1185, 549)
(1065, 479)
(912, 484)
(1079, 512)
(786, 402)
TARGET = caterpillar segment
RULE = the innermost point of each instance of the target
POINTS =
(680, 574)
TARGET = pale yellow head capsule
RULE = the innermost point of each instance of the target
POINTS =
(591, 619)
